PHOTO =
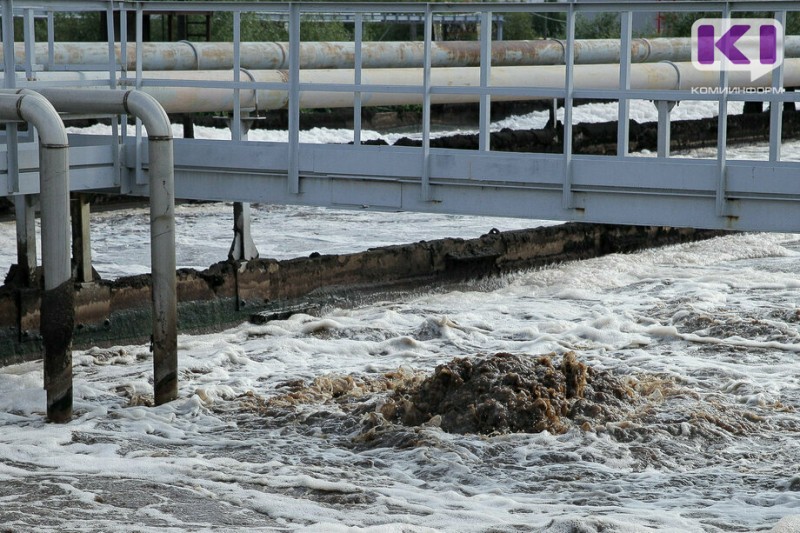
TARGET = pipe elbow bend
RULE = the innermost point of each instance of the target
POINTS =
(37, 110)
(150, 112)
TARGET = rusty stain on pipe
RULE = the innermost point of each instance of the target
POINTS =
(186, 55)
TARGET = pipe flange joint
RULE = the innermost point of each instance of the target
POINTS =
(255, 91)
(649, 49)
(677, 73)
(563, 49)
(125, 101)
(19, 107)
(194, 51)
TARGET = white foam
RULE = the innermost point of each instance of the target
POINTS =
(214, 457)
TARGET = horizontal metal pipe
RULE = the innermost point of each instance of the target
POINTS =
(648, 76)
(184, 55)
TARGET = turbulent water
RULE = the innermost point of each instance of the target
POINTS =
(705, 334)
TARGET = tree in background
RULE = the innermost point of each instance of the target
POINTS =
(87, 26)
(680, 24)
(527, 26)
(252, 27)
(597, 26)
(82, 27)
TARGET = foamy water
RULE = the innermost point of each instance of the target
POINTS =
(706, 333)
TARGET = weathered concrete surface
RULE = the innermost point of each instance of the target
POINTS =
(118, 312)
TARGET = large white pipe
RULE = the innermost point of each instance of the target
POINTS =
(162, 215)
(645, 76)
(185, 55)
(57, 310)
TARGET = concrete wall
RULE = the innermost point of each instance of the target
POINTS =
(118, 312)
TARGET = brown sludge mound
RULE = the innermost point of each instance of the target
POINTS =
(505, 393)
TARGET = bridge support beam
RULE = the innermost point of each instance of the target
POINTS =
(664, 108)
(25, 209)
(81, 239)
(243, 247)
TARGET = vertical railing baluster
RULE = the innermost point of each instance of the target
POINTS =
(236, 123)
(484, 136)
(569, 61)
(139, 174)
(29, 38)
(112, 59)
(722, 135)
(358, 38)
(294, 99)
(776, 107)
(623, 119)
(426, 107)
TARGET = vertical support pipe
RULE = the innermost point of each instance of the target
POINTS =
(294, 99)
(426, 107)
(57, 312)
(664, 130)
(81, 239)
(25, 209)
(484, 136)
(623, 120)
(569, 87)
(162, 216)
(162, 250)
(243, 248)
(776, 108)
(12, 161)
(162, 242)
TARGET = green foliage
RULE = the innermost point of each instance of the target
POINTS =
(549, 25)
(87, 26)
(680, 24)
(254, 28)
(251, 28)
(527, 26)
(376, 31)
(325, 31)
(597, 26)
(793, 23)
(518, 26)
(68, 27)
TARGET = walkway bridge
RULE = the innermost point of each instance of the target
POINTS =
(244, 80)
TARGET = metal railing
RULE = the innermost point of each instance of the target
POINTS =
(580, 180)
